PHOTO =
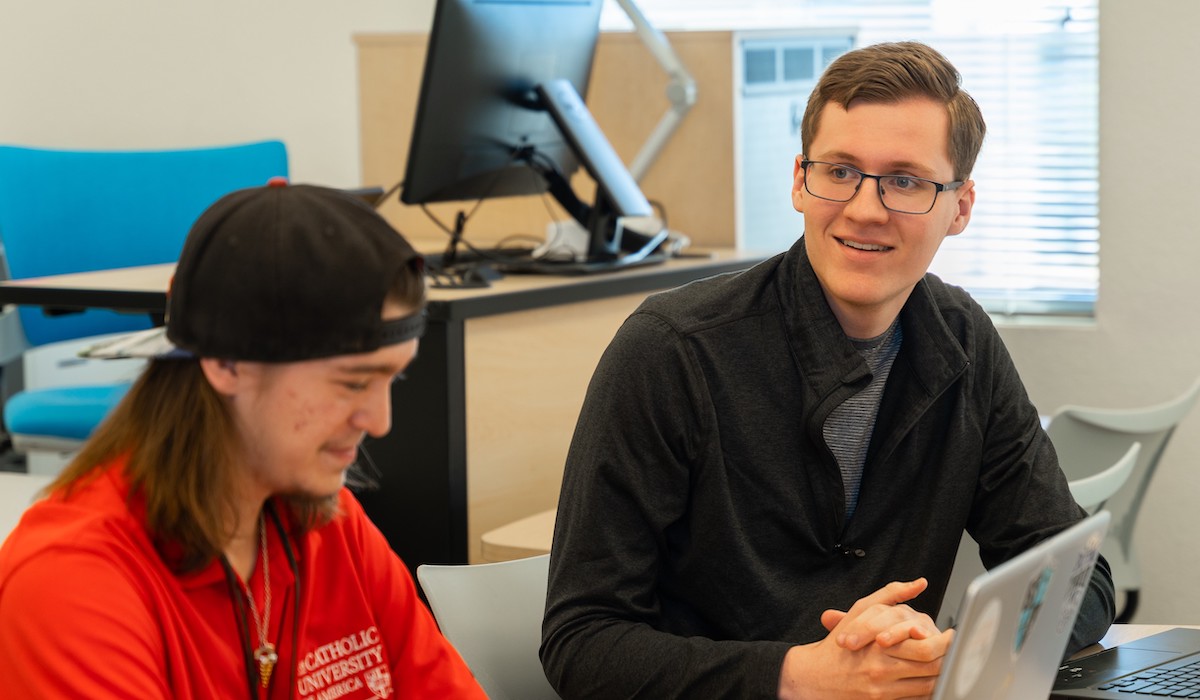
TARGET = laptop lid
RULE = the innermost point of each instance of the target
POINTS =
(1015, 620)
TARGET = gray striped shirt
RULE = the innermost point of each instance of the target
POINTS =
(848, 429)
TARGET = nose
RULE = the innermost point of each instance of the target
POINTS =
(375, 414)
(867, 203)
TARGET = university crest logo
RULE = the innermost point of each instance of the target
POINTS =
(379, 681)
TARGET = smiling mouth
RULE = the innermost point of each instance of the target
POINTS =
(863, 246)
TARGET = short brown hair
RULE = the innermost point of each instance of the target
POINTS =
(887, 73)
(181, 443)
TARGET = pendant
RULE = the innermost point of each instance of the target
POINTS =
(266, 658)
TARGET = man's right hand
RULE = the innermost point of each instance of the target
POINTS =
(879, 648)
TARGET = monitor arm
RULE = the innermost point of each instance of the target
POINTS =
(560, 188)
(681, 90)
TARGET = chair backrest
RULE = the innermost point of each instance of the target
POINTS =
(1087, 438)
(1092, 492)
(78, 211)
(492, 613)
(17, 492)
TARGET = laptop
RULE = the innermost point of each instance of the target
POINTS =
(1165, 664)
(1015, 620)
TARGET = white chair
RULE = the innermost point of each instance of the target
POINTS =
(492, 613)
(1093, 492)
(1090, 492)
(1085, 437)
(17, 492)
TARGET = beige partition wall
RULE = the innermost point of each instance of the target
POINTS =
(693, 177)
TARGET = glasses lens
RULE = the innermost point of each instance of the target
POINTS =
(909, 195)
(832, 181)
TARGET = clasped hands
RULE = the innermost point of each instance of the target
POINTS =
(879, 649)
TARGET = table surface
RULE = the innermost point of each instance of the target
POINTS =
(156, 278)
(1120, 634)
(526, 537)
(143, 288)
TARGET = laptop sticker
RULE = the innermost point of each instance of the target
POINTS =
(1035, 595)
(976, 648)
(1081, 575)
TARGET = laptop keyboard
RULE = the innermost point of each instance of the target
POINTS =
(1169, 680)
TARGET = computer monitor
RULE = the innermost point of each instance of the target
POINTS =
(500, 114)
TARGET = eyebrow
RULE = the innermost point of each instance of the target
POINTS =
(921, 170)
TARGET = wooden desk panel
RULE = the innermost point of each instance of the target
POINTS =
(527, 374)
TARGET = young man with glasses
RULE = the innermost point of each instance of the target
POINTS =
(773, 469)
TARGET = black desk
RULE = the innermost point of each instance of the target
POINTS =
(421, 505)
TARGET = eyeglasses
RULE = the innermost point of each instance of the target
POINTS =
(903, 194)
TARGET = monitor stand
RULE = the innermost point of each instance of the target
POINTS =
(646, 253)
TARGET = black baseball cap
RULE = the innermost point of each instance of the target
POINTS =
(284, 273)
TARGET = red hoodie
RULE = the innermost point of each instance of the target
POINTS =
(88, 609)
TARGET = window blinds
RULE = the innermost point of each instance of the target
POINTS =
(1033, 242)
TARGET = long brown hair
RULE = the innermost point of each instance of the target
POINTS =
(182, 444)
(891, 72)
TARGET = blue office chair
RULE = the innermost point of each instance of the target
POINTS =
(78, 211)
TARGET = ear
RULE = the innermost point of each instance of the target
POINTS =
(798, 184)
(225, 376)
(964, 203)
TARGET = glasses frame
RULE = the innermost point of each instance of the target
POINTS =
(938, 187)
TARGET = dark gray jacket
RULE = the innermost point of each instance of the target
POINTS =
(701, 529)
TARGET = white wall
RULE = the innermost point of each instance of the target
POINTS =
(148, 74)
(120, 73)
(1145, 346)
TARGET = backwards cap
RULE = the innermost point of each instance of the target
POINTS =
(285, 273)
(288, 273)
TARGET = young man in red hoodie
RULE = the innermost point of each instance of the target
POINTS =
(203, 544)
